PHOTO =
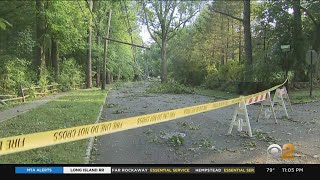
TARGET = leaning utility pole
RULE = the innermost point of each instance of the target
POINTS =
(89, 47)
(105, 54)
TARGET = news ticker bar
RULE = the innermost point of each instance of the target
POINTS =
(134, 170)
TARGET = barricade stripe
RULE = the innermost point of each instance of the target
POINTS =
(256, 99)
(262, 97)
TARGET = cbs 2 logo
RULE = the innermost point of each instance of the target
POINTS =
(286, 152)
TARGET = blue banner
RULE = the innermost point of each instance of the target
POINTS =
(39, 170)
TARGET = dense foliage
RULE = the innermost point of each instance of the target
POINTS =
(195, 43)
(45, 42)
(210, 51)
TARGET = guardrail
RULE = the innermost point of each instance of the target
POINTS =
(79, 86)
(25, 93)
(38, 91)
(4, 98)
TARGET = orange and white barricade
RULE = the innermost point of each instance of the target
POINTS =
(269, 104)
(241, 110)
(241, 117)
(280, 96)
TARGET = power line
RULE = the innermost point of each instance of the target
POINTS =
(95, 22)
(131, 44)
(106, 38)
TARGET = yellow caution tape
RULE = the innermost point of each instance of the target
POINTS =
(20, 143)
(263, 92)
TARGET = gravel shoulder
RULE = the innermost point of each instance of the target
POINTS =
(204, 135)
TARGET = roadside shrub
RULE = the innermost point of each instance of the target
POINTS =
(187, 71)
(221, 77)
(44, 80)
(31, 91)
(270, 74)
(14, 72)
(70, 74)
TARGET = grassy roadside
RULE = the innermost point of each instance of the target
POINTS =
(216, 93)
(302, 95)
(297, 96)
(76, 108)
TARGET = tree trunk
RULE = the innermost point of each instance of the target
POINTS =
(298, 53)
(40, 31)
(227, 46)
(240, 37)
(146, 64)
(232, 40)
(164, 64)
(316, 39)
(247, 31)
(119, 74)
(94, 10)
(48, 58)
(88, 62)
(98, 79)
(247, 38)
(221, 41)
(264, 42)
(54, 58)
(316, 46)
(135, 68)
(104, 74)
(108, 77)
(222, 57)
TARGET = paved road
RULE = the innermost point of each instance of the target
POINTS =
(205, 140)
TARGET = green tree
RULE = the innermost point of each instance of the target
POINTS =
(163, 19)
(247, 31)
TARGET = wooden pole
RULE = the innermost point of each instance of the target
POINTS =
(119, 74)
(22, 94)
(287, 70)
(98, 61)
(310, 67)
(96, 4)
(2, 102)
(89, 52)
(105, 53)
